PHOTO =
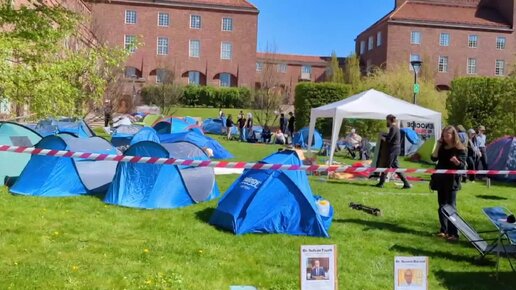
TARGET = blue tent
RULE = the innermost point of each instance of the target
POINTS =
(301, 139)
(272, 201)
(217, 126)
(153, 186)
(190, 120)
(77, 128)
(12, 164)
(124, 134)
(219, 152)
(501, 154)
(58, 176)
(171, 125)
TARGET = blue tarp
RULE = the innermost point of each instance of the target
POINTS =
(301, 139)
(77, 128)
(162, 186)
(219, 152)
(58, 176)
(272, 201)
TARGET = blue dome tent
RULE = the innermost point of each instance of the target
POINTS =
(301, 139)
(154, 186)
(272, 201)
(58, 176)
(501, 154)
(171, 125)
(190, 120)
(219, 152)
(13, 134)
(77, 128)
(124, 133)
(217, 126)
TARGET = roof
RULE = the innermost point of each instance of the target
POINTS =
(236, 5)
(292, 58)
(449, 14)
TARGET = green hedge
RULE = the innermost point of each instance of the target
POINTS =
(486, 101)
(311, 95)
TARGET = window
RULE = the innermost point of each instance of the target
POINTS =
(369, 66)
(194, 78)
(307, 69)
(379, 38)
(226, 50)
(444, 39)
(163, 19)
(370, 43)
(195, 48)
(225, 80)
(415, 37)
(161, 75)
(195, 21)
(227, 24)
(413, 57)
(282, 67)
(162, 45)
(130, 43)
(500, 42)
(362, 47)
(443, 64)
(130, 17)
(130, 72)
(472, 66)
(500, 67)
(259, 66)
(473, 41)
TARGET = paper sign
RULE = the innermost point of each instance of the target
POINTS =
(410, 273)
(318, 267)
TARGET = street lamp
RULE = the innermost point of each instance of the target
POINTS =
(416, 67)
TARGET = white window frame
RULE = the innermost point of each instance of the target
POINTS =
(226, 50)
(222, 82)
(501, 42)
(259, 66)
(471, 66)
(130, 45)
(362, 47)
(444, 39)
(128, 18)
(378, 39)
(195, 24)
(306, 68)
(370, 43)
(282, 68)
(227, 26)
(162, 45)
(165, 17)
(192, 49)
(197, 78)
(472, 41)
(413, 56)
(414, 39)
(499, 69)
(442, 64)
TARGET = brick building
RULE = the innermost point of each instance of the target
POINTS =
(206, 42)
(285, 71)
(452, 37)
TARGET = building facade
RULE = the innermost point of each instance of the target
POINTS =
(284, 71)
(452, 37)
(192, 42)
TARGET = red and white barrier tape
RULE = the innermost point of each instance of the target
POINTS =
(245, 165)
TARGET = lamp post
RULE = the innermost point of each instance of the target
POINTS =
(416, 67)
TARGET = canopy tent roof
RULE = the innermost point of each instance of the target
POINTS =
(371, 104)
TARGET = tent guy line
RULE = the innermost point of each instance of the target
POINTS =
(245, 165)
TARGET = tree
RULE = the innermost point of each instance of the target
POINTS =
(336, 73)
(39, 70)
(352, 74)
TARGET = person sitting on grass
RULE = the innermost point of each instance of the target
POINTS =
(266, 134)
(279, 137)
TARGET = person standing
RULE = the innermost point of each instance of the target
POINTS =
(249, 125)
(449, 153)
(481, 143)
(472, 153)
(394, 147)
(107, 112)
(291, 126)
(241, 125)
(229, 124)
(283, 123)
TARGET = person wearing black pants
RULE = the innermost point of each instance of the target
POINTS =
(449, 153)
(394, 145)
(481, 143)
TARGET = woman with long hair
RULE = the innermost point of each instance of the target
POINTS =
(449, 153)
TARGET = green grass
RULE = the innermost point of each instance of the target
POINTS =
(81, 243)
(207, 112)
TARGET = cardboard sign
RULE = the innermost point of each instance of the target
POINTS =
(318, 267)
(410, 273)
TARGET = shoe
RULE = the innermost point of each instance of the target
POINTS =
(452, 239)
(379, 185)
(407, 186)
(442, 235)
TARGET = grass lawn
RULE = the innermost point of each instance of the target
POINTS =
(81, 243)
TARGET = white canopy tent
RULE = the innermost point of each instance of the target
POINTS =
(370, 104)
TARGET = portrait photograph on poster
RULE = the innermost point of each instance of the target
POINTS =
(318, 266)
(410, 273)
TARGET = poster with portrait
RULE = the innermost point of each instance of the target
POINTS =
(410, 273)
(318, 267)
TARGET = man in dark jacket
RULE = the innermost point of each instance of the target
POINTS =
(291, 126)
(394, 145)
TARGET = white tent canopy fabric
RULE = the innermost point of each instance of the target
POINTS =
(370, 104)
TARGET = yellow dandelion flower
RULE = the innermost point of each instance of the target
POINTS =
(56, 233)
(145, 250)
(148, 282)
(75, 268)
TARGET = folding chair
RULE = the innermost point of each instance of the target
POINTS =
(484, 246)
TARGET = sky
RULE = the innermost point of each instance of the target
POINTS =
(315, 27)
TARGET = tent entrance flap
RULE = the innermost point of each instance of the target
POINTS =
(199, 182)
